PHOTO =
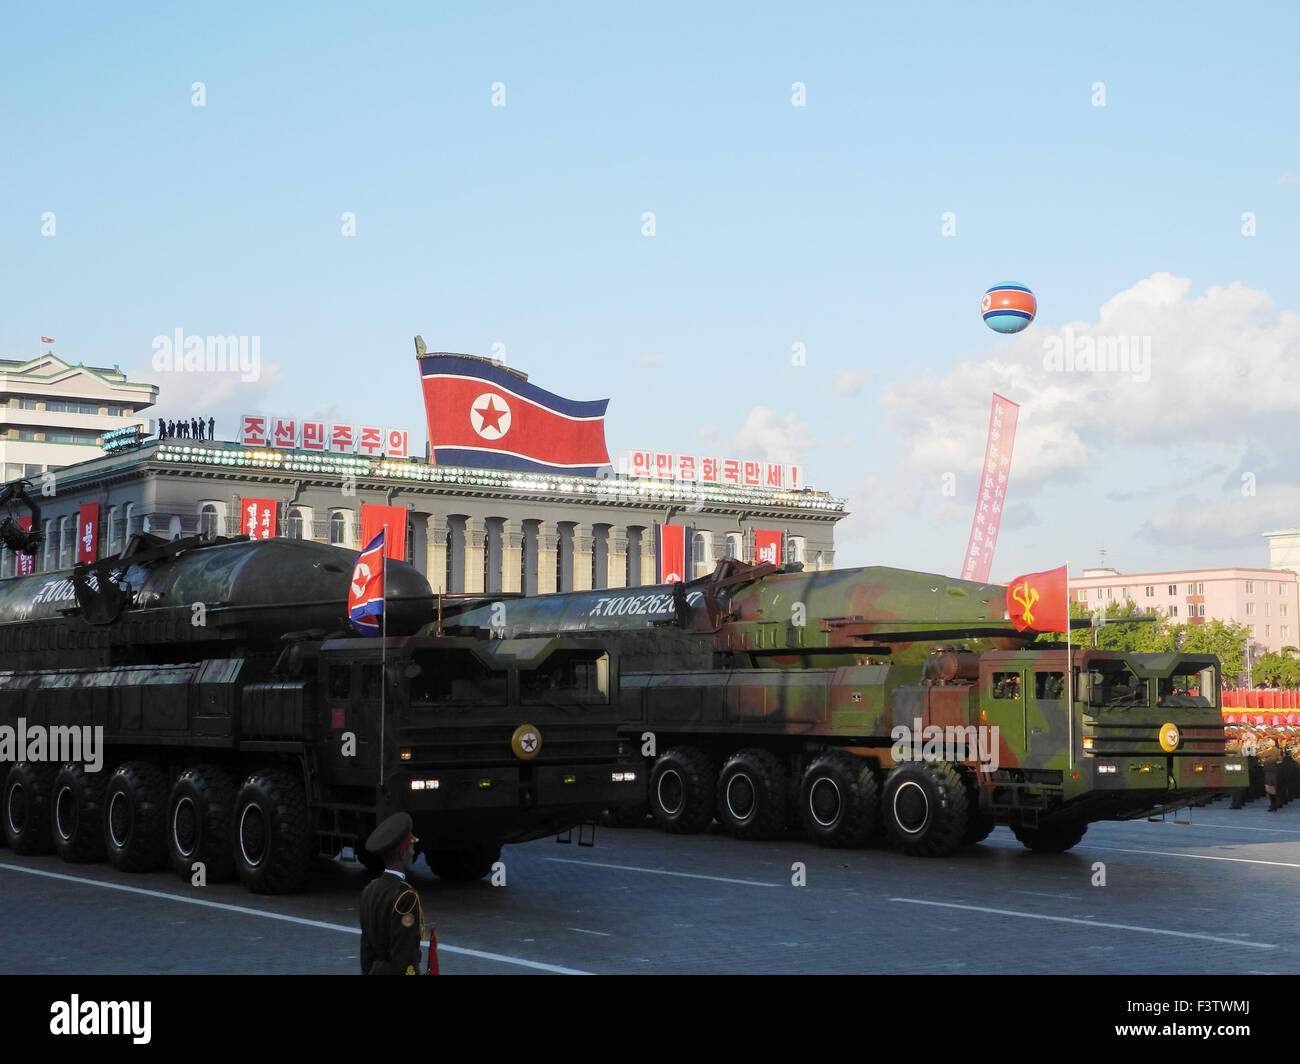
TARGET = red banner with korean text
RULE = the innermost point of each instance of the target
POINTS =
(767, 547)
(88, 532)
(257, 520)
(991, 496)
(24, 564)
(373, 521)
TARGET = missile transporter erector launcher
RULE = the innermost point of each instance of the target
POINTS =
(245, 729)
(871, 701)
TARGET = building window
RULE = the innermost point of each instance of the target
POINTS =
(564, 555)
(1250, 587)
(1281, 589)
(1082, 594)
(793, 550)
(66, 531)
(1150, 591)
(493, 554)
(600, 556)
(1191, 589)
(128, 523)
(1284, 631)
(1250, 609)
(1099, 593)
(454, 569)
(1173, 589)
(1268, 608)
(1200, 610)
(1267, 629)
(338, 528)
(1173, 611)
(699, 555)
(208, 521)
(736, 545)
(1200, 589)
(1108, 592)
(528, 558)
(1281, 610)
(51, 549)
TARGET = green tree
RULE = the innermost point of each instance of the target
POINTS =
(1278, 670)
(1225, 640)
(1150, 636)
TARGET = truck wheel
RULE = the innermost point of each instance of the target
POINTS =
(135, 810)
(198, 823)
(1052, 839)
(78, 813)
(463, 866)
(631, 815)
(681, 791)
(839, 800)
(27, 807)
(273, 837)
(752, 798)
(925, 808)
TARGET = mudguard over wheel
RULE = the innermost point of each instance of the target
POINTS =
(25, 806)
(1054, 839)
(752, 798)
(135, 811)
(200, 813)
(463, 866)
(273, 845)
(681, 790)
(839, 800)
(78, 813)
(925, 808)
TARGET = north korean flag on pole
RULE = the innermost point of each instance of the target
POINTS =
(485, 416)
(366, 595)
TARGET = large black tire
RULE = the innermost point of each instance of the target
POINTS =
(925, 808)
(135, 811)
(631, 815)
(273, 847)
(839, 800)
(200, 813)
(26, 807)
(77, 813)
(1055, 839)
(752, 796)
(463, 866)
(681, 791)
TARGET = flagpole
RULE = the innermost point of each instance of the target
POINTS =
(1069, 666)
(383, 654)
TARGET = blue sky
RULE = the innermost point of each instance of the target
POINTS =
(775, 225)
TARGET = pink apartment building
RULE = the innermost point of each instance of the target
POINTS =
(1265, 600)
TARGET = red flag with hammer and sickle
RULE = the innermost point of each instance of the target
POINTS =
(1040, 601)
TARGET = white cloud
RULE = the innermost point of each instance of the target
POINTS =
(850, 381)
(766, 436)
(650, 360)
(1221, 365)
(221, 396)
(1289, 179)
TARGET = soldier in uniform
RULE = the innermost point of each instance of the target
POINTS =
(392, 921)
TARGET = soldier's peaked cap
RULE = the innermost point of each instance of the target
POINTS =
(391, 835)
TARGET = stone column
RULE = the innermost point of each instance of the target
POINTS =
(583, 545)
(475, 548)
(647, 557)
(616, 560)
(548, 546)
(435, 551)
(512, 547)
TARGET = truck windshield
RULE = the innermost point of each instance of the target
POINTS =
(1187, 687)
(454, 675)
(1112, 683)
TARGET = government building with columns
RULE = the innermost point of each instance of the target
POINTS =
(468, 530)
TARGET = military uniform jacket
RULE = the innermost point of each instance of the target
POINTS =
(392, 927)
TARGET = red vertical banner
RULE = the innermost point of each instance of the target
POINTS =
(24, 564)
(672, 553)
(991, 497)
(373, 521)
(257, 518)
(88, 532)
(767, 547)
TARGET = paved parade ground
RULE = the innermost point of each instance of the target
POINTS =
(1214, 897)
